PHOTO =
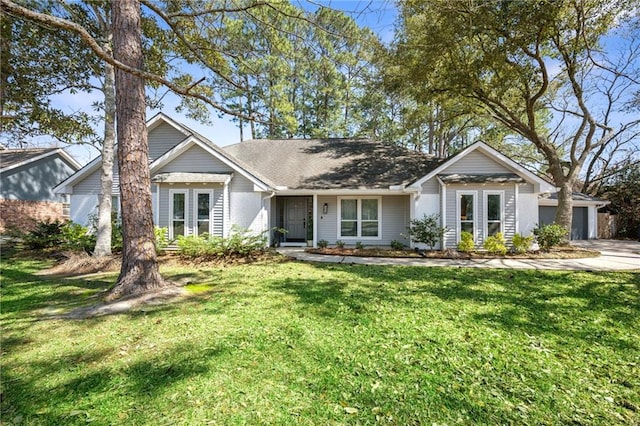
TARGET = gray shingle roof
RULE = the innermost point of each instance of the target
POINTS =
(577, 196)
(332, 163)
(9, 157)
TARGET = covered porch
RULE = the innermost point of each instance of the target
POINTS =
(295, 215)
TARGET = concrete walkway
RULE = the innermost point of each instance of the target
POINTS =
(616, 256)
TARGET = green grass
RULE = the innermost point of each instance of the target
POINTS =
(292, 343)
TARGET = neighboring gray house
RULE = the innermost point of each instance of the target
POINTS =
(27, 179)
(323, 189)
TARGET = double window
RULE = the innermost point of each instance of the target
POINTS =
(359, 217)
(180, 210)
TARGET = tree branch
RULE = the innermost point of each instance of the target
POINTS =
(21, 12)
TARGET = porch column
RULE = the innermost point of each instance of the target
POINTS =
(315, 220)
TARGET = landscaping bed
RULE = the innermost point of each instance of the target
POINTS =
(562, 252)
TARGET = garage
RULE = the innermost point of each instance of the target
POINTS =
(579, 225)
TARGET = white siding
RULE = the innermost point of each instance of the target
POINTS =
(247, 211)
(592, 217)
(476, 163)
(428, 204)
(162, 139)
(527, 212)
(432, 186)
(81, 206)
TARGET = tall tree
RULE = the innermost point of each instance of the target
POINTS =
(140, 267)
(41, 63)
(292, 72)
(517, 59)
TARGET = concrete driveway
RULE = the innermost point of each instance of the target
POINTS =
(616, 256)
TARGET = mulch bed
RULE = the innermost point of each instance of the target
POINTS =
(565, 252)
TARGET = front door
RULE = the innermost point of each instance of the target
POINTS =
(295, 219)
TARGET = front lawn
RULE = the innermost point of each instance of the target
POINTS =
(293, 343)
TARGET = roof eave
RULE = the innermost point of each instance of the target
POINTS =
(540, 185)
(68, 158)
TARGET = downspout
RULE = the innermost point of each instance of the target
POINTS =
(443, 209)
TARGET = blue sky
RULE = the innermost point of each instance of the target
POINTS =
(379, 15)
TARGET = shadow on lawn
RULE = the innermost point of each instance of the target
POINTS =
(21, 292)
(585, 306)
(83, 388)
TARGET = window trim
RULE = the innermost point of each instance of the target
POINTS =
(485, 211)
(459, 194)
(359, 218)
(197, 192)
(117, 209)
(186, 211)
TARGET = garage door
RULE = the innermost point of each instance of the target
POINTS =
(579, 225)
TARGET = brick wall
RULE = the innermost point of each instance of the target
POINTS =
(23, 214)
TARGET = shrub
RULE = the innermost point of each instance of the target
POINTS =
(466, 244)
(549, 236)
(62, 235)
(496, 244)
(426, 230)
(396, 245)
(45, 234)
(340, 244)
(359, 245)
(244, 242)
(323, 243)
(162, 237)
(193, 245)
(76, 237)
(241, 243)
(521, 244)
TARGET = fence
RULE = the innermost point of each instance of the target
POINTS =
(607, 226)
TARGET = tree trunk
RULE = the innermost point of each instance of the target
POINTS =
(103, 234)
(564, 212)
(139, 263)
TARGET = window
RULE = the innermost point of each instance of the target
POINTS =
(177, 213)
(467, 212)
(359, 217)
(203, 211)
(494, 212)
